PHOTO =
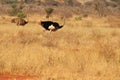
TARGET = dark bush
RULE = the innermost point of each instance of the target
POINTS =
(48, 11)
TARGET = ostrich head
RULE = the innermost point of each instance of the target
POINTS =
(27, 20)
(38, 22)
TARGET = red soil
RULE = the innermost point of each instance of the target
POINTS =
(17, 77)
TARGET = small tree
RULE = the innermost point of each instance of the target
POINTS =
(48, 12)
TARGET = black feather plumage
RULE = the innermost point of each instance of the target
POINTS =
(46, 24)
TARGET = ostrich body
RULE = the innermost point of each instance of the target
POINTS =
(50, 25)
(19, 21)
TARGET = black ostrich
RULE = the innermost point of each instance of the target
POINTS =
(50, 25)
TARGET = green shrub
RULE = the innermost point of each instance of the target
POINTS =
(10, 1)
(13, 5)
(26, 1)
(69, 2)
(17, 10)
(14, 12)
(21, 15)
(14, 9)
(116, 1)
(85, 15)
(78, 18)
(48, 12)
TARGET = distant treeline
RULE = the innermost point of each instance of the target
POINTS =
(67, 7)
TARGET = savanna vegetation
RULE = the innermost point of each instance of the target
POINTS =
(86, 48)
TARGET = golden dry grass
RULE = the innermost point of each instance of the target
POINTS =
(81, 50)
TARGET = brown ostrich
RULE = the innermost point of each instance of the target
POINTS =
(19, 21)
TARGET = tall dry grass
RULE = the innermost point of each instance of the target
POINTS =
(79, 51)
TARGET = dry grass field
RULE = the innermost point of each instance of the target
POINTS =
(88, 49)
